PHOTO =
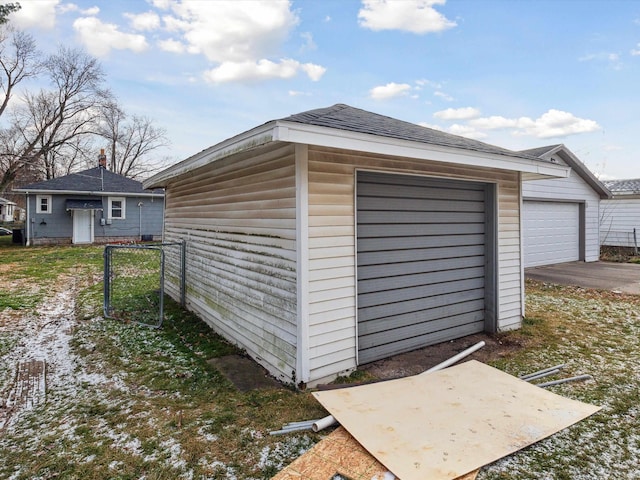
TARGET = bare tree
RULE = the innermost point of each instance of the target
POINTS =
(19, 60)
(50, 120)
(131, 141)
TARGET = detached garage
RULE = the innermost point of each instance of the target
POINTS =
(337, 236)
(561, 217)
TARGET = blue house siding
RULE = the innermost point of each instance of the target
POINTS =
(143, 219)
(83, 201)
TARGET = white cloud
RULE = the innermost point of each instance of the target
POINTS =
(466, 131)
(309, 44)
(553, 123)
(390, 90)
(635, 52)
(144, 21)
(457, 113)
(41, 14)
(497, 122)
(444, 96)
(314, 72)
(232, 31)
(93, 11)
(240, 38)
(428, 83)
(99, 38)
(250, 71)
(172, 45)
(612, 58)
(297, 93)
(416, 16)
(456, 129)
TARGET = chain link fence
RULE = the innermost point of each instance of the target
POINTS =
(135, 278)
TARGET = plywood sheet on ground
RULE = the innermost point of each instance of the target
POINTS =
(441, 425)
(339, 454)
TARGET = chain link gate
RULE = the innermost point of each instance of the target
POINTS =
(134, 280)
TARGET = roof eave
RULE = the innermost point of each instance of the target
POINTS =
(581, 169)
(245, 141)
(99, 193)
(345, 139)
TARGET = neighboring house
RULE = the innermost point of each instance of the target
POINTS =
(92, 206)
(336, 237)
(7, 210)
(561, 216)
(620, 216)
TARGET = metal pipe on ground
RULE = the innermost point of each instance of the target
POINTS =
(330, 420)
(544, 370)
(455, 358)
(565, 380)
(542, 375)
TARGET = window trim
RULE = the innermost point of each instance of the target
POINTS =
(39, 199)
(123, 202)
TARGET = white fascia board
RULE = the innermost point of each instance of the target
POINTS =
(331, 137)
(245, 141)
(293, 132)
(99, 193)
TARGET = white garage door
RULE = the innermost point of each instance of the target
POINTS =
(551, 233)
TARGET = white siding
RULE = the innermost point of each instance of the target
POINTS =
(238, 216)
(575, 189)
(619, 217)
(332, 276)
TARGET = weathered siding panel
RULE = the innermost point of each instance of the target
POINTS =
(331, 183)
(619, 218)
(575, 189)
(238, 218)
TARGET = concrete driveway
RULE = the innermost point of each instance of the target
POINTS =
(618, 277)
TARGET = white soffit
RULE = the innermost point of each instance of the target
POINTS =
(335, 138)
(445, 424)
(345, 139)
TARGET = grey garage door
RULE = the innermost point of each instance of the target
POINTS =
(551, 233)
(421, 262)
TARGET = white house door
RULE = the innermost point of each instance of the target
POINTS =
(82, 226)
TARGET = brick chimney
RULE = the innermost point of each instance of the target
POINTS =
(102, 159)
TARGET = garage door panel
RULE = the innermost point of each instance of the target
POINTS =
(420, 218)
(421, 316)
(419, 279)
(551, 233)
(395, 295)
(423, 205)
(399, 256)
(386, 350)
(419, 189)
(399, 308)
(411, 243)
(380, 232)
(392, 270)
(399, 333)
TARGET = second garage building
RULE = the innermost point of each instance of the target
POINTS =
(561, 216)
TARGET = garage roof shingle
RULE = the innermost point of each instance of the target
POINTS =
(345, 117)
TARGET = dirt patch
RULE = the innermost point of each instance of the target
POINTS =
(417, 361)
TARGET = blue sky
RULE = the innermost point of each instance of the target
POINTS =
(518, 74)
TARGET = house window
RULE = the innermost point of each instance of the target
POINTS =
(117, 207)
(43, 203)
